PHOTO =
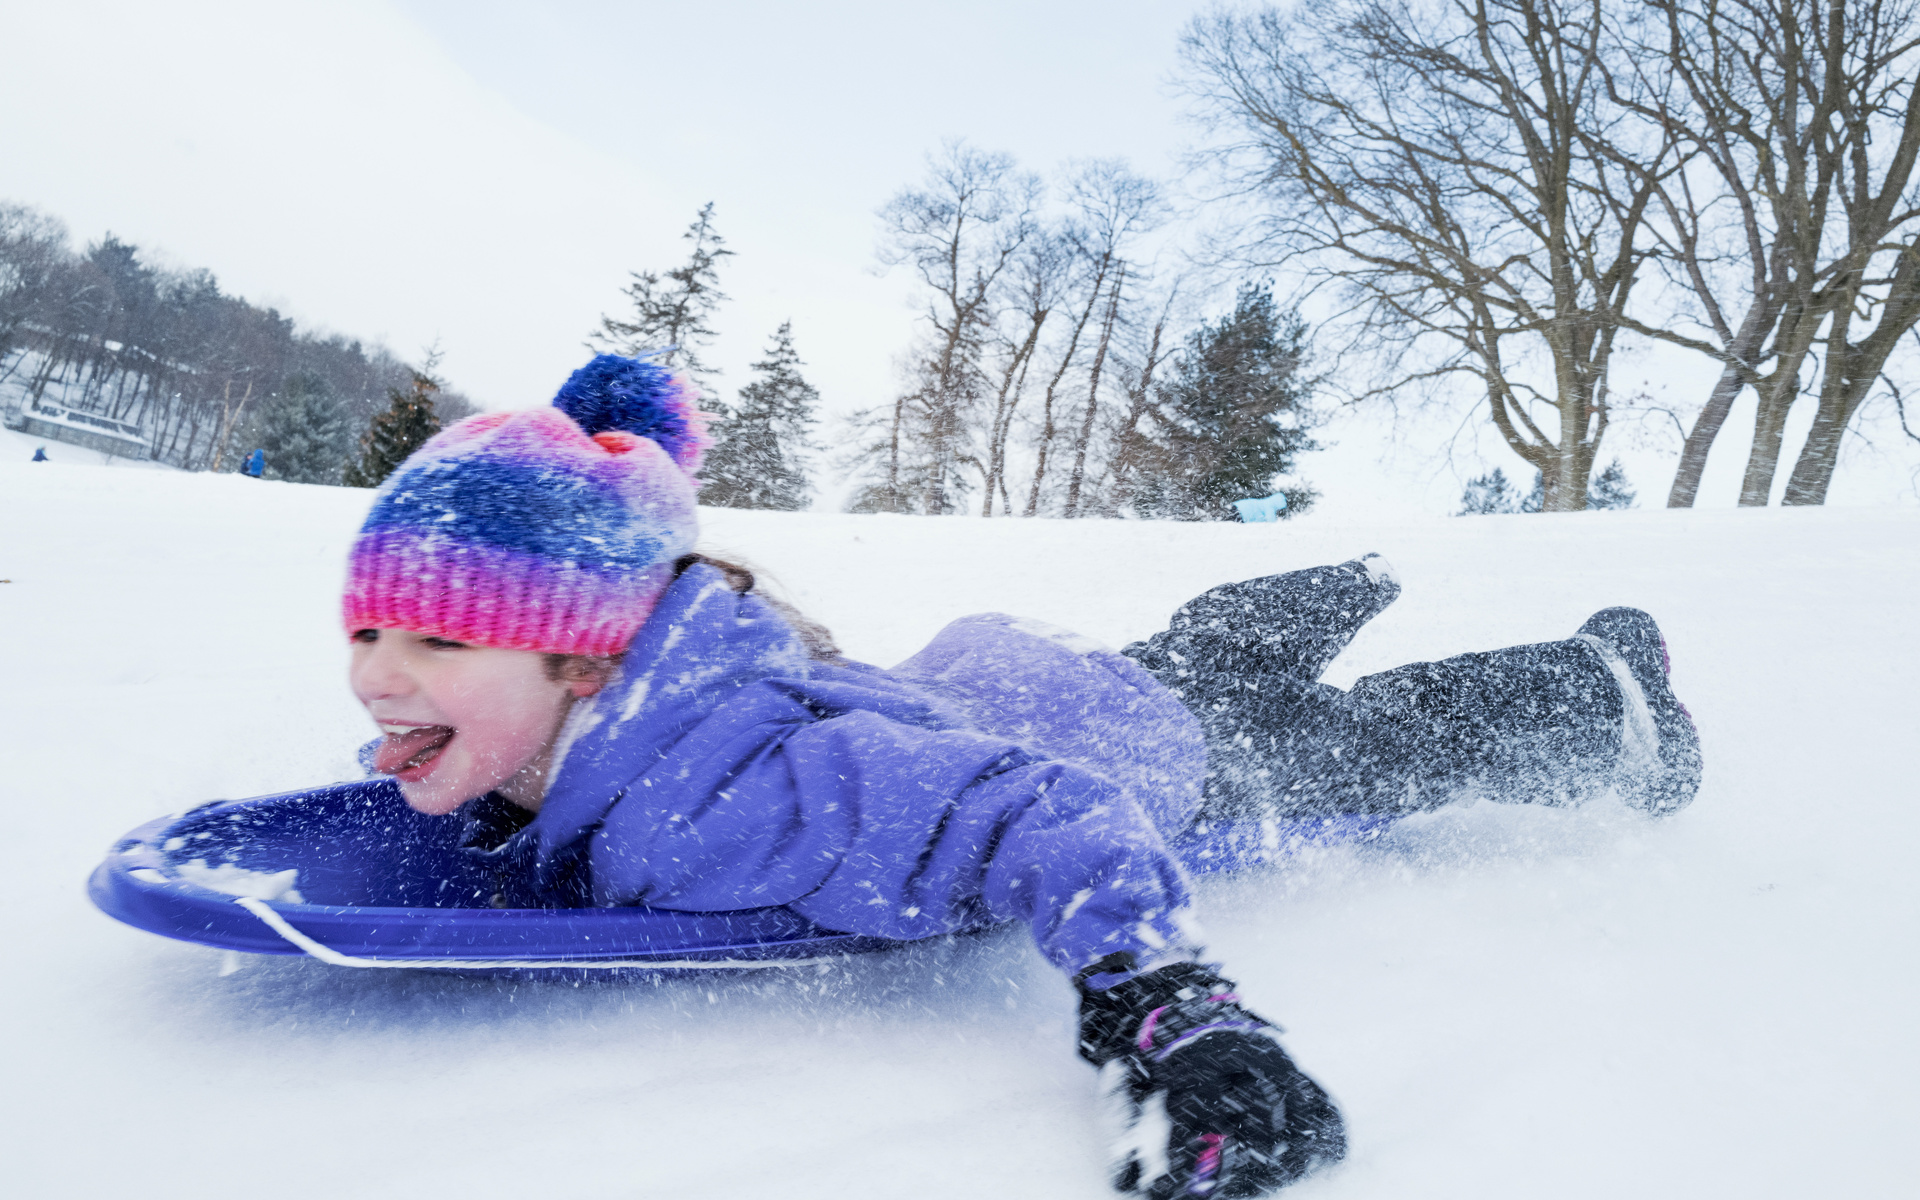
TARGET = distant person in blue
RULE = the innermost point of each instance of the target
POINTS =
(256, 464)
(1262, 508)
(615, 719)
(40, 454)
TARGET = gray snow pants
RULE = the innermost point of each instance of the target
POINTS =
(1528, 724)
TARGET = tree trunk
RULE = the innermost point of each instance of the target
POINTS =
(893, 455)
(1706, 427)
(1138, 398)
(1047, 428)
(1769, 427)
(1012, 383)
(1851, 370)
(1813, 473)
(1079, 473)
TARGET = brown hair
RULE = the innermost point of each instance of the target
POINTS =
(817, 639)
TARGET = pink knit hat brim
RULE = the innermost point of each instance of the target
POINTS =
(492, 596)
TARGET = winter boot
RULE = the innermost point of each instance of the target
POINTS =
(1203, 1099)
(1660, 763)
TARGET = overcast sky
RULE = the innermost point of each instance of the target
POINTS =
(486, 174)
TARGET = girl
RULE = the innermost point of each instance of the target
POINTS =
(618, 720)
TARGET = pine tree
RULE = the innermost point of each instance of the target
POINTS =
(1610, 488)
(396, 433)
(1231, 418)
(1491, 493)
(759, 455)
(304, 431)
(1487, 494)
(672, 318)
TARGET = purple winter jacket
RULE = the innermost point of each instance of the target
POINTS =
(1008, 770)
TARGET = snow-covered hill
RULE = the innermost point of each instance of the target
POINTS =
(18, 447)
(1508, 1002)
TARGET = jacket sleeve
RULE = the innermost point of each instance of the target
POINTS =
(881, 827)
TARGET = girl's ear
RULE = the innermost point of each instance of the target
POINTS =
(584, 675)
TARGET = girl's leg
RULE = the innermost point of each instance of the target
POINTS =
(1549, 723)
(1243, 658)
(1553, 723)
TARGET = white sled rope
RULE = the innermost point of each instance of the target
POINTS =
(328, 954)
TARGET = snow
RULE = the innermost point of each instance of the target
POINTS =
(1639, 738)
(234, 880)
(1508, 1002)
(18, 447)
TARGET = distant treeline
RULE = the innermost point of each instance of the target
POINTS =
(1051, 373)
(101, 331)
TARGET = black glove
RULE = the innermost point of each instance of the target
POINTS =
(1205, 1101)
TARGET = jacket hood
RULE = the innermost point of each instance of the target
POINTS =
(703, 643)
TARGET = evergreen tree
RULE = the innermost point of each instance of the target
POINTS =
(396, 433)
(1491, 493)
(672, 317)
(1487, 494)
(304, 431)
(759, 455)
(1232, 417)
(1610, 488)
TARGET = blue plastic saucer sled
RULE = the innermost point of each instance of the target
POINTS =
(352, 876)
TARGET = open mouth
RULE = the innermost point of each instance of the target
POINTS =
(410, 750)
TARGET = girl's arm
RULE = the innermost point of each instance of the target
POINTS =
(882, 826)
(878, 826)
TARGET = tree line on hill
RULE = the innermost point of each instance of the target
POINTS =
(205, 375)
(1500, 194)
(1048, 376)
(1057, 372)
(1507, 193)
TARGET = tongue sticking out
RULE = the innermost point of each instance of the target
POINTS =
(414, 748)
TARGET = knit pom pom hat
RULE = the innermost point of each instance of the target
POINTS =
(550, 529)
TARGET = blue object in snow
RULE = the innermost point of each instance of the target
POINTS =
(256, 464)
(40, 454)
(1262, 508)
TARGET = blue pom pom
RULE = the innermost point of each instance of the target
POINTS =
(637, 397)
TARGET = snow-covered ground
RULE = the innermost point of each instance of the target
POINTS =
(1508, 1002)
(18, 447)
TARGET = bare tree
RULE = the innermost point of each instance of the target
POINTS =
(1130, 447)
(1111, 207)
(1038, 275)
(32, 249)
(1800, 109)
(1752, 236)
(958, 232)
(1447, 168)
(1084, 439)
(1089, 287)
(1872, 295)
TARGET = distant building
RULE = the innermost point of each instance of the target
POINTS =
(82, 429)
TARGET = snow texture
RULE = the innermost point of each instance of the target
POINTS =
(238, 881)
(1508, 1002)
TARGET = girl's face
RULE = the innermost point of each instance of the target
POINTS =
(460, 720)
